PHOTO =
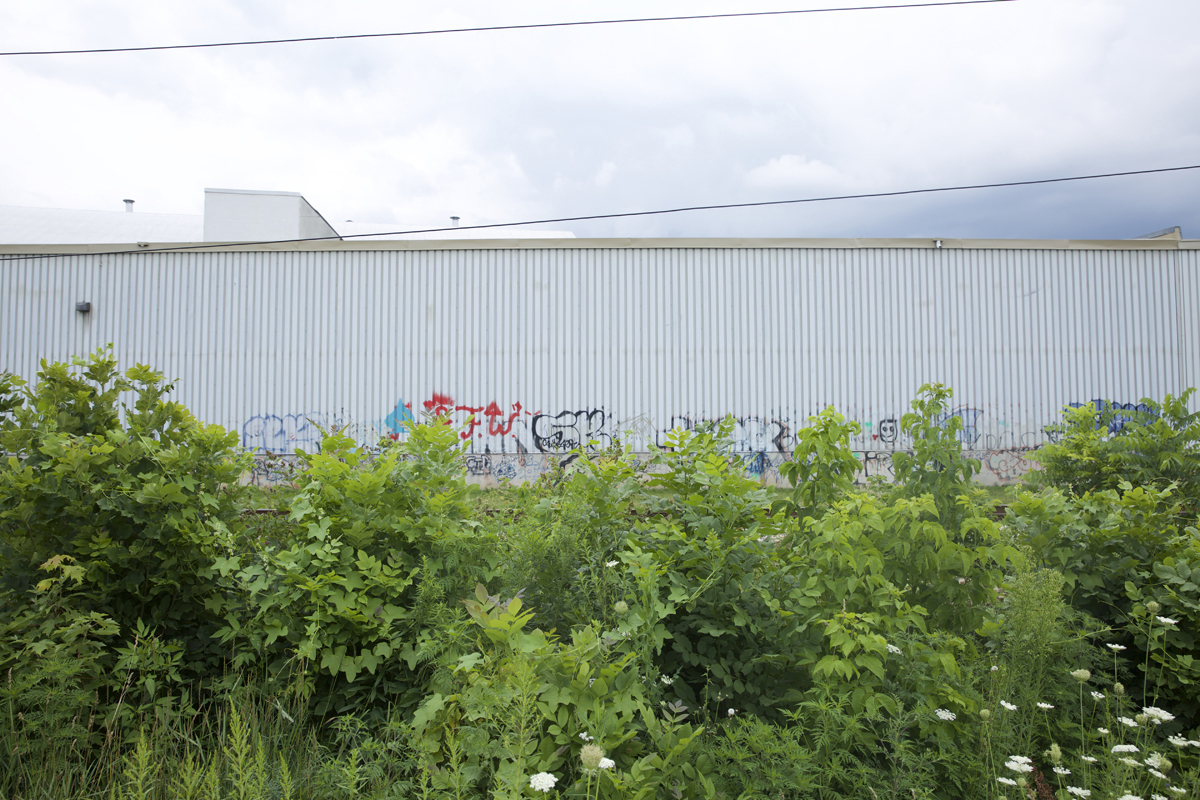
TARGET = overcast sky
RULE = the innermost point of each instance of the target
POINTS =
(515, 125)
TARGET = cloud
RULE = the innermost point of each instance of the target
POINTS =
(791, 171)
(604, 174)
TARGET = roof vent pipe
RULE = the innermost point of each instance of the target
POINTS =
(129, 206)
(454, 222)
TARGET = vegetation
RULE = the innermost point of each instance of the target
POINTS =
(628, 629)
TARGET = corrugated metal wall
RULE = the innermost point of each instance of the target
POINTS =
(552, 345)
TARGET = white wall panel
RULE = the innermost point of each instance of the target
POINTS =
(554, 344)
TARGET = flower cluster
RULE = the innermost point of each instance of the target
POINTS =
(1008, 706)
(947, 716)
(891, 648)
(1097, 696)
(1116, 648)
(542, 782)
(1019, 764)
(1127, 721)
(1157, 715)
(1075, 790)
(1045, 706)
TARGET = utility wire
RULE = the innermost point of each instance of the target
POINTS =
(681, 209)
(529, 26)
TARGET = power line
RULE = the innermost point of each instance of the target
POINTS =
(681, 209)
(487, 28)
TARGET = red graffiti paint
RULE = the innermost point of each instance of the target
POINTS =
(440, 405)
(472, 421)
(495, 427)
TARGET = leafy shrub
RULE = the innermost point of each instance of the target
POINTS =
(133, 495)
(1154, 445)
(360, 597)
(1117, 552)
(936, 466)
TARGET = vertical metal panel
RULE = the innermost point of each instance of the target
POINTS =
(265, 342)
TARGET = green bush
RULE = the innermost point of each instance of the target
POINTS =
(135, 495)
(1155, 445)
(362, 595)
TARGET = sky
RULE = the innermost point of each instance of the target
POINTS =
(510, 126)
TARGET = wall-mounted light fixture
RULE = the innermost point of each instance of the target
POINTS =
(83, 306)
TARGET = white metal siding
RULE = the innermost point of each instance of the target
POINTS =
(650, 337)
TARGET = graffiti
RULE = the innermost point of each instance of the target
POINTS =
(271, 434)
(876, 464)
(568, 429)
(750, 434)
(398, 421)
(1116, 421)
(1008, 465)
(889, 429)
(968, 433)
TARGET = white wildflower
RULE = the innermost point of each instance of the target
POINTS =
(731, 712)
(1116, 648)
(945, 715)
(1088, 759)
(1158, 715)
(1178, 741)
(1167, 621)
(1044, 706)
(1097, 696)
(1075, 790)
(542, 782)
(994, 668)
(1130, 761)
(1103, 731)
(1061, 771)
(1008, 706)
(611, 564)
(1129, 797)
(1156, 760)
(1177, 790)
(1127, 721)
(1157, 774)
(1124, 748)
(1007, 781)
(891, 648)
(1018, 766)
(607, 763)
(666, 680)
(587, 738)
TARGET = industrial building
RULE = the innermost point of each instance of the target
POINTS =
(548, 343)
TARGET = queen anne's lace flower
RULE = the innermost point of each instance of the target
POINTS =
(611, 564)
(1129, 797)
(1103, 731)
(1177, 790)
(1124, 748)
(1116, 648)
(607, 763)
(542, 782)
(1088, 759)
(1167, 621)
(1045, 706)
(1158, 715)
(1097, 696)
(1157, 774)
(1007, 706)
(1019, 766)
(891, 648)
(943, 714)
(1007, 781)
(1075, 790)
(1178, 741)
(1061, 771)
(1127, 721)
(1130, 761)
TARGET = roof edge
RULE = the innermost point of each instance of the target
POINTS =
(617, 244)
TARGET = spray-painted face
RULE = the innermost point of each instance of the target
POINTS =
(888, 429)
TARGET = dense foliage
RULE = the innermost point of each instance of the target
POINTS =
(625, 627)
